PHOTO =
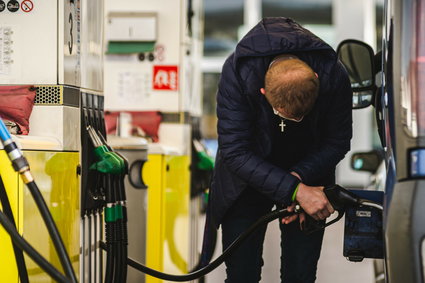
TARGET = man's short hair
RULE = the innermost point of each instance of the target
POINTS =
(292, 85)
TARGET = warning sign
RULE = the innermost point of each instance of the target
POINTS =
(165, 78)
(2, 6)
(27, 6)
(13, 6)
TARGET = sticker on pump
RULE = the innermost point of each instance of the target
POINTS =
(2, 5)
(13, 6)
(165, 78)
(27, 6)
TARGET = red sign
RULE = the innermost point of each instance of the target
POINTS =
(165, 78)
(27, 6)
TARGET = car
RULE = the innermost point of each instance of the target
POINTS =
(399, 102)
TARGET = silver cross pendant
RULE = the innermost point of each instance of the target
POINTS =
(282, 126)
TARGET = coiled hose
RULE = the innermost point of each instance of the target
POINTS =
(278, 213)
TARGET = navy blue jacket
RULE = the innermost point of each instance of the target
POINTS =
(244, 117)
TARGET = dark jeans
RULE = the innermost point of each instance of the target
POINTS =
(299, 252)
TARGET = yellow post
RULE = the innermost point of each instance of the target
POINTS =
(13, 185)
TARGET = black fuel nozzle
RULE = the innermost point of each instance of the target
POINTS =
(340, 199)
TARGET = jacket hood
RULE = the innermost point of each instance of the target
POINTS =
(276, 35)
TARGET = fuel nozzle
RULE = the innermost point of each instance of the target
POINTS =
(341, 198)
(109, 162)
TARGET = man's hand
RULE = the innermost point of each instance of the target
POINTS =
(289, 219)
(314, 202)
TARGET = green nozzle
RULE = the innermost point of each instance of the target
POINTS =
(206, 162)
(109, 162)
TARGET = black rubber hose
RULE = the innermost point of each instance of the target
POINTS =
(109, 273)
(117, 255)
(109, 232)
(19, 255)
(219, 260)
(22, 244)
(117, 232)
(109, 198)
(124, 244)
(124, 271)
(122, 238)
(53, 231)
(118, 252)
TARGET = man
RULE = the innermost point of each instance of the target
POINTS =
(284, 122)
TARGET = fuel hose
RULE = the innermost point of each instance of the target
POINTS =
(278, 213)
(109, 231)
(339, 197)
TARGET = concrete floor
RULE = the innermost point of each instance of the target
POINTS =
(332, 268)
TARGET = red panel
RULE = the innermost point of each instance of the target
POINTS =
(165, 78)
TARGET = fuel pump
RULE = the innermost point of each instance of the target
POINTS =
(51, 66)
(153, 90)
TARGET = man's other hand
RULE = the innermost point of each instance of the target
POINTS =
(314, 202)
(289, 219)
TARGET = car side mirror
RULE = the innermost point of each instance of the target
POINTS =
(358, 59)
(366, 161)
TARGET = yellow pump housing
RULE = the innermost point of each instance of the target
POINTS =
(168, 229)
(58, 181)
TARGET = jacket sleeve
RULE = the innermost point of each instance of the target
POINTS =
(236, 138)
(337, 132)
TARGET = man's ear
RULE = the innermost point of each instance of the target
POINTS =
(263, 91)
